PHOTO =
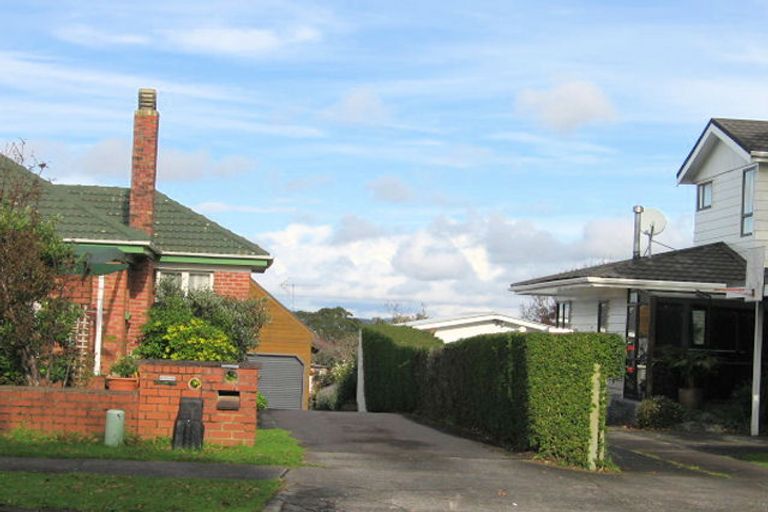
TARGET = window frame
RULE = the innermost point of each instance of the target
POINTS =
(752, 171)
(701, 196)
(603, 311)
(185, 277)
(564, 311)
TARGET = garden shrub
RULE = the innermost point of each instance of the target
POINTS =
(198, 340)
(345, 376)
(659, 412)
(526, 391)
(239, 321)
(395, 358)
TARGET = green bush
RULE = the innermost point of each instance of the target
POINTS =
(526, 391)
(261, 401)
(198, 340)
(659, 412)
(125, 366)
(239, 320)
(395, 358)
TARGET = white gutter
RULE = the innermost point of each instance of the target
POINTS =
(139, 243)
(99, 326)
(215, 255)
(609, 282)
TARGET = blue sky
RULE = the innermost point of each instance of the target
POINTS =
(389, 153)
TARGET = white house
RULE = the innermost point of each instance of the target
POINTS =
(679, 297)
(465, 326)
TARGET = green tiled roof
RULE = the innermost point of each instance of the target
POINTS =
(101, 213)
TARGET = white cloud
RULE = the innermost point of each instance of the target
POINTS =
(90, 36)
(429, 258)
(219, 207)
(567, 106)
(360, 106)
(109, 161)
(240, 42)
(452, 267)
(353, 228)
(390, 189)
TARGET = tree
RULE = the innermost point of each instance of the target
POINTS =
(36, 322)
(400, 317)
(539, 308)
(338, 331)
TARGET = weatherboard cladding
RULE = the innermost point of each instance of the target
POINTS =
(712, 263)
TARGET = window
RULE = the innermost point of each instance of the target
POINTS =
(698, 327)
(602, 316)
(747, 201)
(704, 196)
(564, 314)
(188, 280)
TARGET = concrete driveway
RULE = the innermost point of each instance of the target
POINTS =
(372, 462)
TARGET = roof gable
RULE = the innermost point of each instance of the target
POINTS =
(741, 137)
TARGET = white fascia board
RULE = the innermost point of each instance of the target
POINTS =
(711, 135)
(470, 320)
(553, 287)
(268, 257)
(138, 243)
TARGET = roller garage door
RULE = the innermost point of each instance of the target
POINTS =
(281, 380)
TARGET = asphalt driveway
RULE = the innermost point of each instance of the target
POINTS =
(372, 462)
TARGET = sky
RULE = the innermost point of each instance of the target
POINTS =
(393, 155)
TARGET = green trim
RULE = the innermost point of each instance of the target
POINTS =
(127, 249)
(200, 260)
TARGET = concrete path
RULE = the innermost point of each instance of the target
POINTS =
(375, 462)
(143, 468)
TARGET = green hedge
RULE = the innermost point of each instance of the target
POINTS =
(525, 391)
(394, 356)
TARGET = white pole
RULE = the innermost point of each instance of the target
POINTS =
(757, 355)
(361, 407)
(99, 326)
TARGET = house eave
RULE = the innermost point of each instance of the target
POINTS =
(559, 286)
(711, 134)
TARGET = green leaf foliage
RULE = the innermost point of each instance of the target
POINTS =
(200, 324)
(525, 391)
(395, 357)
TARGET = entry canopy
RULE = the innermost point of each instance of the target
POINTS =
(94, 260)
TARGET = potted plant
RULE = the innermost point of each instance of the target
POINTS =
(123, 375)
(691, 366)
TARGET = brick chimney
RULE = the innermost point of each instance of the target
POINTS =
(146, 121)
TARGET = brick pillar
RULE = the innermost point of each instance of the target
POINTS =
(141, 295)
(146, 123)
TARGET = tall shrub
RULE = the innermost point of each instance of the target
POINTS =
(394, 363)
(36, 321)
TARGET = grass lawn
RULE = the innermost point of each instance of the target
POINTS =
(760, 458)
(90, 492)
(275, 447)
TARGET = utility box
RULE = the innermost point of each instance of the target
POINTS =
(189, 429)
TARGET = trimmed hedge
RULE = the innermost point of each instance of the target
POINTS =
(524, 391)
(393, 356)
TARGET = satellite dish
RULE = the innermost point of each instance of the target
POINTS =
(652, 222)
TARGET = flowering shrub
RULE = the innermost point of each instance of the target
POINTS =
(197, 340)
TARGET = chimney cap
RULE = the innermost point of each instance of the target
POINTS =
(147, 99)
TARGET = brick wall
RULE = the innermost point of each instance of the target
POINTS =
(141, 295)
(232, 284)
(70, 410)
(150, 411)
(159, 403)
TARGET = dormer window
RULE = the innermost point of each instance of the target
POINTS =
(704, 196)
(747, 201)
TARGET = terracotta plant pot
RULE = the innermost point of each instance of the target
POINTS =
(122, 383)
(691, 398)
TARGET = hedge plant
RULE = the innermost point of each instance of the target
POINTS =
(525, 391)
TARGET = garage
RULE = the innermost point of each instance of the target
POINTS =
(281, 380)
